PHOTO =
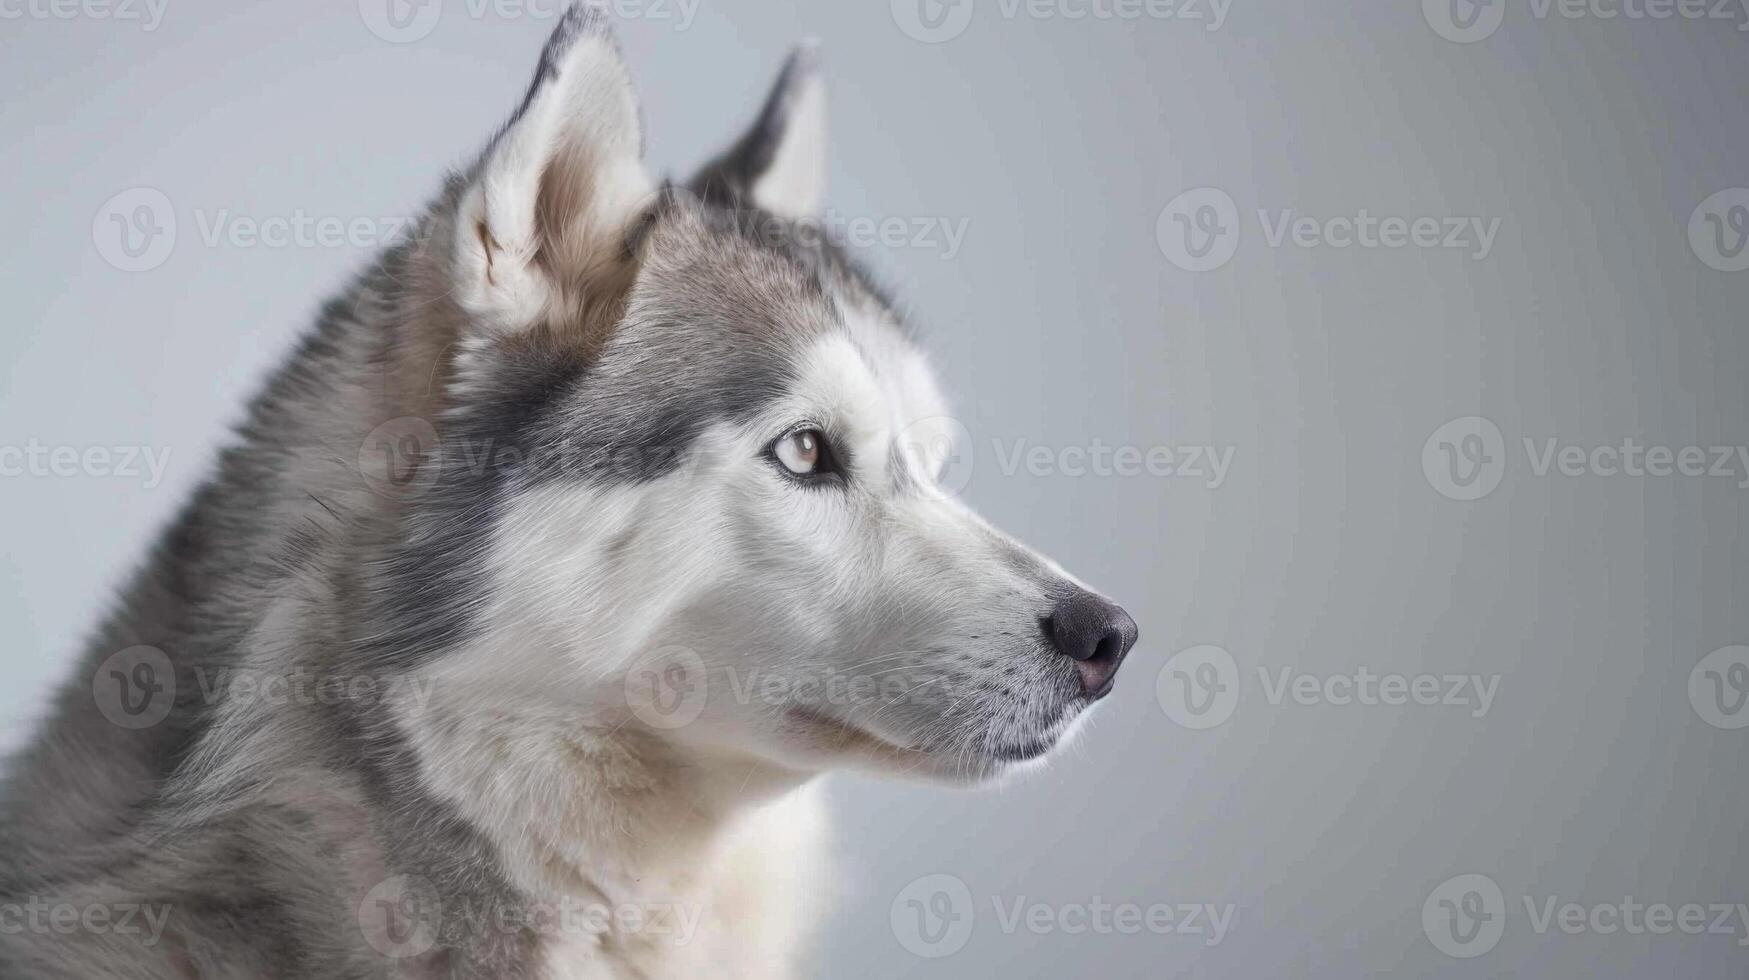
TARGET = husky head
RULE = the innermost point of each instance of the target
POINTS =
(711, 509)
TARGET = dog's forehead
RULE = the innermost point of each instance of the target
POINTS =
(740, 270)
(741, 298)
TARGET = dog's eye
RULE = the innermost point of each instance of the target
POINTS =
(803, 453)
(800, 452)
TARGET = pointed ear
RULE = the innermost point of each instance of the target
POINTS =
(542, 226)
(780, 164)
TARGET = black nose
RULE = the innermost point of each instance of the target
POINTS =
(1094, 632)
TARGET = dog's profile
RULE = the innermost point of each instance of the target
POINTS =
(587, 527)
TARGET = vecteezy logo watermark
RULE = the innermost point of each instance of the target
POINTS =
(401, 21)
(937, 21)
(932, 21)
(669, 689)
(1718, 230)
(1198, 231)
(135, 687)
(1718, 687)
(400, 455)
(934, 916)
(406, 21)
(36, 460)
(1199, 688)
(1465, 916)
(147, 13)
(1464, 21)
(1465, 459)
(404, 916)
(1467, 21)
(135, 230)
(940, 448)
(401, 916)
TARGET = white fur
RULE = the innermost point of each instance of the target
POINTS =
(765, 583)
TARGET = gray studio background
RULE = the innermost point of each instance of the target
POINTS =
(1066, 318)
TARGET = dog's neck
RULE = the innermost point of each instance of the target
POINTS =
(609, 813)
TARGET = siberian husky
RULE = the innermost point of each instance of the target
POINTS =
(588, 526)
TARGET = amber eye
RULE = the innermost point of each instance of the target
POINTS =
(801, 452)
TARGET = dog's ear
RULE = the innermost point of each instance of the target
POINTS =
(780, 164)
(542, 227)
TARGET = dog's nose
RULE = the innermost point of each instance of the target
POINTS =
(1094, 632)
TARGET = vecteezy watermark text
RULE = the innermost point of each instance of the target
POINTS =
(1364, 687)
(939, 21)
(1466, 916)
(146, 13)
(137, 687)
(37, 460)
(1472, 235)
(407, 21)
(925, 233)
(1100, 459)
(60, 917)
(1468, 21)
(671, 688)
(1467, 458)
(1199, 231)
(935, 915)
(405, 916)
(137, 230)
(1201, 687)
